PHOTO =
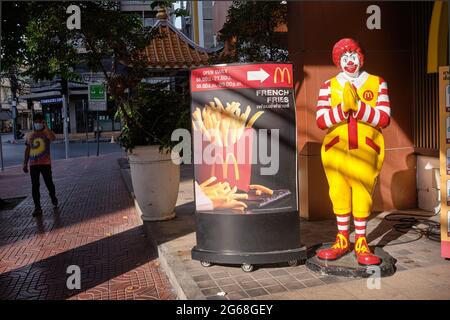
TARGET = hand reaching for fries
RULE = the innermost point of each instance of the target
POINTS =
(223, 196)
(223, 125)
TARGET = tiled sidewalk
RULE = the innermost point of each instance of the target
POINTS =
(95, 228)
(420, 269)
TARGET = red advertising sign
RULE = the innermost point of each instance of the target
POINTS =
(243, 119)
(242, 76)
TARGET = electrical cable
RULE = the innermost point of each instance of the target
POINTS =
(409, 222)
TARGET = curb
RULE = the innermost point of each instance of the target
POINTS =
(185, 287)
(125, 174)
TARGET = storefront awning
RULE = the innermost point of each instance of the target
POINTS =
(78, 92)
(38, 95)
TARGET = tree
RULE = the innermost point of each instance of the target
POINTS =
(250, 29)
(107, 38)
(113, 43)
(13, 24)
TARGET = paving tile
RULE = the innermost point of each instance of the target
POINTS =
(237, 295)
(250, 285)
(202, 277)
(261, 274)
(304, 276)
(360, 289)
(402, 252)
(296, 270)
(225, 281)
(211, 291)
(278, 273)
(206, 284)
(217, 298)
(286, 279)
(196, 272)
(219, 275)
(256, 292)
(328, 292)
(312, 282)
(268, 282)
(294, 285)
(244, 278)
(275, 289)
(330, 279)
(235, 270)
(231, 288)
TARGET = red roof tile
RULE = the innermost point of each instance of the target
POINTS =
(174, 50)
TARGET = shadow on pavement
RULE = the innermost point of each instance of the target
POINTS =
(100, 261)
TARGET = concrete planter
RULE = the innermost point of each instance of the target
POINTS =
(155, 180)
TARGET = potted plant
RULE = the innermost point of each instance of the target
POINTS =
(149, 118)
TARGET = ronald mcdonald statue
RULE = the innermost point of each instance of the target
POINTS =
(353, 107)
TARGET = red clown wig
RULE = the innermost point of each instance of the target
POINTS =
(346, 45)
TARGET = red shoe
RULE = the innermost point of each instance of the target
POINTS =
(337, 250)
(363, 254)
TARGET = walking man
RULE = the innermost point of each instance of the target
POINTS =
(37, 151)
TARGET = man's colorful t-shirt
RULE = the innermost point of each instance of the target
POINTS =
(39, 144)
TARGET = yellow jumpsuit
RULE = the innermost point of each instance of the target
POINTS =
(352, 155)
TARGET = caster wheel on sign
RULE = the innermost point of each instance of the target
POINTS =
(292, 263)
(205, 264)
(247, 267)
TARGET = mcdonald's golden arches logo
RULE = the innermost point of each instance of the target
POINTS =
(368, 95)
(282, 73)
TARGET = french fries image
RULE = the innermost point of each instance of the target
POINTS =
(260, 188)
(223, 125)
(254, 118)
(223, 196)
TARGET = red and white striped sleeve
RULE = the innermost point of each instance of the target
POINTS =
(326, 116)
(380, 115)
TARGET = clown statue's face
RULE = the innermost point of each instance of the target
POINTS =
(350, 64)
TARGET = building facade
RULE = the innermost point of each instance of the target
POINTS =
(23, 113)
(198, 25)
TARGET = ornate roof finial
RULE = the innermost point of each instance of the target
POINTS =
(162, 14)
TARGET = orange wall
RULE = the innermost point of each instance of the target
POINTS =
(314, 27)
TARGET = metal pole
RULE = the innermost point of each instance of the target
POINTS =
(98, 135)
(65, 124)
(14, 117)
(1, 153)
(85, 109)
